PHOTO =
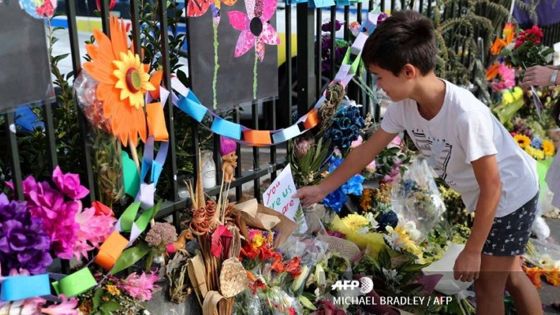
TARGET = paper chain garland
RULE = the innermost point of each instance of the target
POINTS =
(190, 104)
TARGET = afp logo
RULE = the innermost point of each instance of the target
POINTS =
(365, 284)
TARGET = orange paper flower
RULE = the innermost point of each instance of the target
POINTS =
(123, 81)
(497, 46)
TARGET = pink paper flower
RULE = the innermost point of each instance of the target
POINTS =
(93, 229)
(57, 214)
(66, 307)
(69, 184)
(254, 27)
(139, 287)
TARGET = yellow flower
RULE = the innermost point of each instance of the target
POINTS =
(132, 79)
(522, 140)
(538, 154)
(113, 290)
(371, 241)
(355, 221)
(548, 148)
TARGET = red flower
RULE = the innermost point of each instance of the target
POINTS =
(277, 265)
(534, 35)
(293, 266)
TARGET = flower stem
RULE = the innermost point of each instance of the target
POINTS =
(255, 76)
(216, 66)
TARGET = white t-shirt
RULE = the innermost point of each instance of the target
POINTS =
(463, 131)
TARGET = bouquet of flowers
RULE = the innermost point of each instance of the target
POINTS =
(417, 201)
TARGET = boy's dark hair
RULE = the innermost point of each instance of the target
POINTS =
(405, 37)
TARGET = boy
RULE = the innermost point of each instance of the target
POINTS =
(466, 146)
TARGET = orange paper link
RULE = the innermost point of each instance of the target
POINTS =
(258, 137)
(111, 250)
(155, 80)
(312, 119)
(156, 122)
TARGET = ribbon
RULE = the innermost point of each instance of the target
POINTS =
(22, 287)
(76, 283)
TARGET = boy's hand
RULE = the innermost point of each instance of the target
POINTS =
(309, 195)
(467, 266)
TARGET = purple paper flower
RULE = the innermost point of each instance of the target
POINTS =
(69, 184)
(23, 241)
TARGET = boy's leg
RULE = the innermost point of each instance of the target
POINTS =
(491, 283)
(525, 296)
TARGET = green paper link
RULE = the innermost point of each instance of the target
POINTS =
(130, 256)
(131, 178)
(76, 283)
(146, 217)
(355, 63)
(128, 216)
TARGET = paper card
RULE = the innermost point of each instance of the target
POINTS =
(279, 194)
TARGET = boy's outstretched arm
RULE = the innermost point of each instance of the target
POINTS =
(467, 265)
(356, 160)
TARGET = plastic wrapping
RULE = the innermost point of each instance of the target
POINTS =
(85, 88)
(416, 199)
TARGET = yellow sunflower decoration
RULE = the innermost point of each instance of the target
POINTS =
(123, 82)
(548, 148)
(522, 140)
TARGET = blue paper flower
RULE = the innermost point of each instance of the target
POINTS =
(335, 200)
(346, 127)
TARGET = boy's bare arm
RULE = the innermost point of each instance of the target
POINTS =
(357, 160)
(488, 178)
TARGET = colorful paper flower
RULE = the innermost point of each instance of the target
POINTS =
(254, 27)
(94, 228)
(23, 241)
(196, 8)
(139, 287)
(39, 8)
(123, 81)
(69, 184)
(57, 215)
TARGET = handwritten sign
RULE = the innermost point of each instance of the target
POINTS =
(279, 194)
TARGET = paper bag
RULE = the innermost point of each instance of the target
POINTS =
(258, 216)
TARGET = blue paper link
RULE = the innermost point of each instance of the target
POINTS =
(147, 158)
(23, 287)
(157, 164)
(226, 128)
(192, 108)
(323, 3)
(342, 2)
(286, 134)
(191, 96)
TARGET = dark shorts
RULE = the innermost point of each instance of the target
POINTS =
(509, 234)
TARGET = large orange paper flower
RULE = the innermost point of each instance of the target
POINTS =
(123, 81)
